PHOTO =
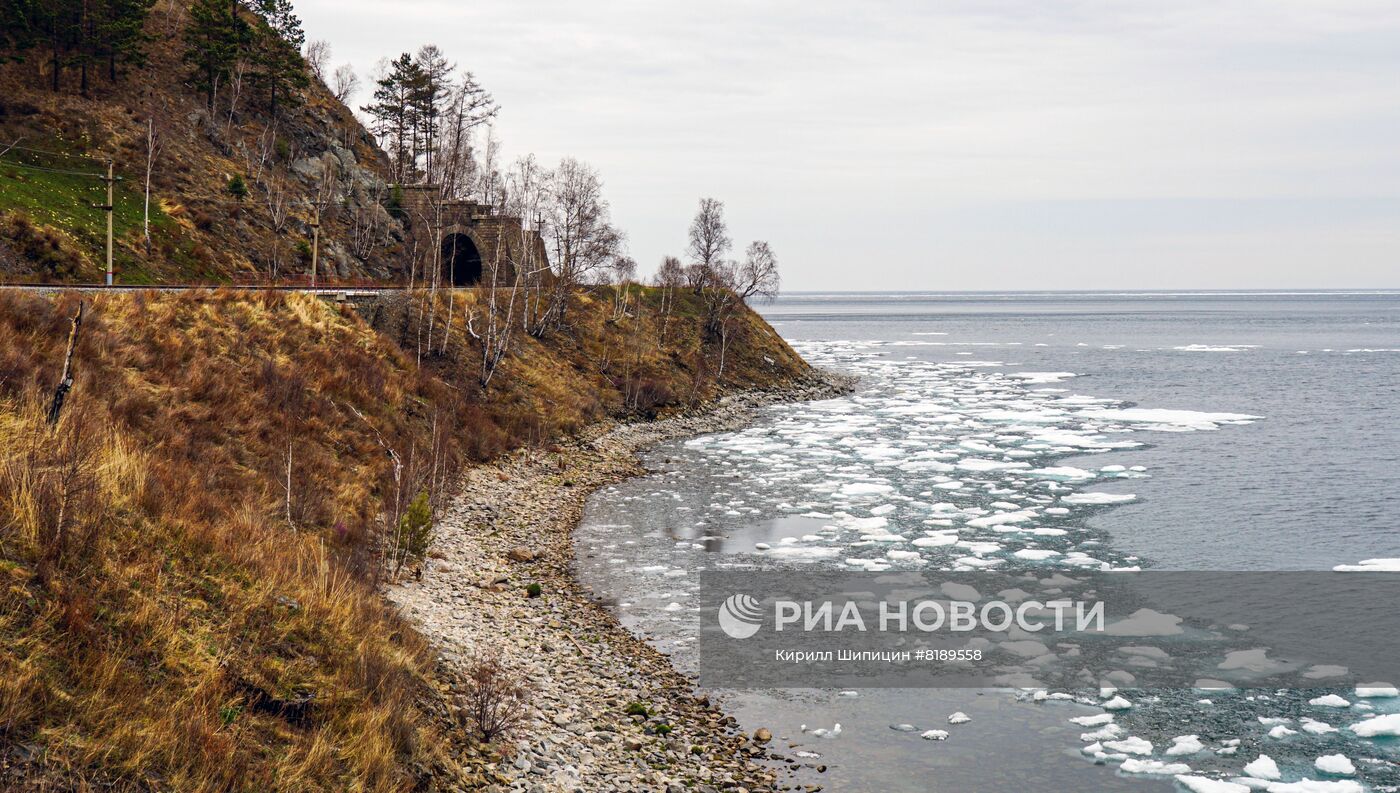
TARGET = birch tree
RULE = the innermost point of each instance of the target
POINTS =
(709, 242)
(579, 232)
(670, 278)
(344, 82)
(153, 146)
(471, 107)
(757, 275)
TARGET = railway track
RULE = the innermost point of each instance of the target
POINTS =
(330, 291)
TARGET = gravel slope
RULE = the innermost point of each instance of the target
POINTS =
(512, 526)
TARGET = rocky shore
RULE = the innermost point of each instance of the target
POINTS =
(607, 712)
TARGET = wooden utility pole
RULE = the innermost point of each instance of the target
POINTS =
(111, 207)
(108, 207)
(315, 243)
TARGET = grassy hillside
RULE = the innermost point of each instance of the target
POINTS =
(43, 205)
(201, 231)
(188, 561)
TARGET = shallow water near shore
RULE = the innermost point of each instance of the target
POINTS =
(1045, 431)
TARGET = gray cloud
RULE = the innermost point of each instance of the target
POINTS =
(958, 145)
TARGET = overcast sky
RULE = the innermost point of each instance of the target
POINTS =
(956, 144)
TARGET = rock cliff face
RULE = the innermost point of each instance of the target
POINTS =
(234, 190)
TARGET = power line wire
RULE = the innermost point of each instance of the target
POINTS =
(52, 170)
(17, 147)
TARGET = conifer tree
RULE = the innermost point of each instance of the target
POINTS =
(429, 93)
(58, 21)
(214, 38)
(76, 33)
(394, 112)
(277, 54)
(121, 34)
(18, 34)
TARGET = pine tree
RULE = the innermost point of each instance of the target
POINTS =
(18, 34)
(121, 33)
(428, 95)
(83, 40)
(394, 113)
(277, 54)
(214, 40)
(59, 24)
(77, 32)
(237, 187)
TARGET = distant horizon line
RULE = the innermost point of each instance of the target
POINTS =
(1301, 291)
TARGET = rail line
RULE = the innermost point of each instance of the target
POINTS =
(317, 290)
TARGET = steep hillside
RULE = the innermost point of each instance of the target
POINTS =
(203, 226)
(189, 559)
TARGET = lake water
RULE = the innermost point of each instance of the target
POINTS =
(1242, 431)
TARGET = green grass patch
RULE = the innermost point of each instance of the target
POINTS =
(65, 201)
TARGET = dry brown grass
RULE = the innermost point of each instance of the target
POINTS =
(172, 615)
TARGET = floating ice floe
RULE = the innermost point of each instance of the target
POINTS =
(1095, 499)
(1315, 727)
(1062, 473)
(1117, 703)
(1256, 661)
(1135, 766)
(1263, 767)
(959, 718)
(1133, 745)
(1001, 519)
(1041, 378)
(1185, 745)
(1338, 764)
(1378, 726)
(1201, 784)
(865, 489)
(1370, 566)
(1092, 721)
(1146, 622)
(1215, 347)
(934, 735)
(1163, 419)
(822, 732)
(1104, 733)
(1329, 701)
(959, 591)
(979, 464)
(1377, 691)
(797, 553)
(873, 464)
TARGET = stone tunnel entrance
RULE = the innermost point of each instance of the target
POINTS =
(471, 238)
(461, 261)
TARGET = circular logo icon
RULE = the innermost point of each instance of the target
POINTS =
(740, 616)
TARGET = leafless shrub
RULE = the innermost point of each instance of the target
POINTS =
(318, 55)
(344, 82)
(496, 701)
